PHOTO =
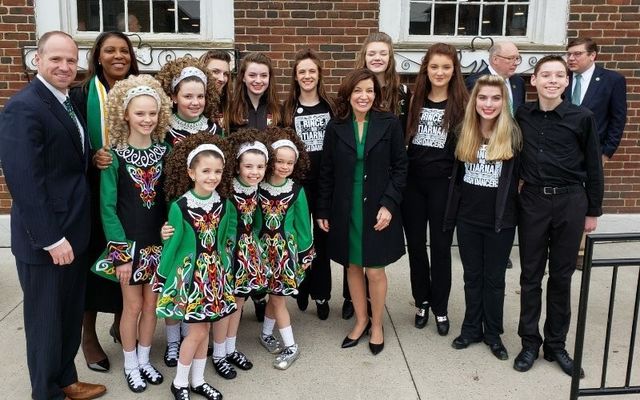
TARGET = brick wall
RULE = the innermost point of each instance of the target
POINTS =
(334, 29)
(615, 25)
(17, 29)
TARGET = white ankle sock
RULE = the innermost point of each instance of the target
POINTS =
(173, 333)
(219, 350)
(267, 326)
(287, 336)
(130, 361)
(143, 354)
(182, 375)
(197, 371)
(230, 344)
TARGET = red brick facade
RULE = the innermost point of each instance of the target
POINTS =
(335, 29)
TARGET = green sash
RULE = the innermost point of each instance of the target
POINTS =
(97, 114)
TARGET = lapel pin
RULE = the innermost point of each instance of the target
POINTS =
(597, 78)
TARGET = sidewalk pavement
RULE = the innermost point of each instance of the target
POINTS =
(415, 364)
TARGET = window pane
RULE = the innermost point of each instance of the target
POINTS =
(468, 20)
(189, 16)
(164, 16)
(88, 15)
(444, 18)
(419, 19)
(492, 20)
(517, 20)
(138, 20)
(110, 12)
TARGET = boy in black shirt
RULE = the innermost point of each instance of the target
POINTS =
(561, 197)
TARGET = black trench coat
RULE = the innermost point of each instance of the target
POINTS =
(385, 173)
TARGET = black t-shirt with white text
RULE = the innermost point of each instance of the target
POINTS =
(479, 190)
(310, 124)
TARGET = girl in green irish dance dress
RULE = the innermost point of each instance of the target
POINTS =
(194, 278)
(132, 210)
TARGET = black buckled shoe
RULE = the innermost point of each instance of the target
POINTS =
(563, 359)
(224, 369)
(135, 381)
(322, 307)
(240, 360)
(462, 342)
(347, 309)
(208, 391)
(524, 360)
(498, 350)
(442, 323)
(180, 393)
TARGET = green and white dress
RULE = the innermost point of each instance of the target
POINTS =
(180, 129)
(133, 210)
(195, 279)
(285, 235)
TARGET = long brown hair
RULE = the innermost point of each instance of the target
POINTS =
(506, 138)
(225, 96)
(343, 104)
(391, 89)
(457, 94)
(239, 105)
(294, 87)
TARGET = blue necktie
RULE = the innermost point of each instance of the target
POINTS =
(577, 90)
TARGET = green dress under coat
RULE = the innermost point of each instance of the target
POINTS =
(355, 224)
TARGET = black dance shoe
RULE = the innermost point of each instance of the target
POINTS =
(322, 307)
(442, 323)
(498, 350)
(180, 393)
(422, 316)
(524, 360)
(208, 391)
(347, 309)
(224, 369)
(563, 359)
(151, 374)
(135, 381)
(348, 342)
(240, 360)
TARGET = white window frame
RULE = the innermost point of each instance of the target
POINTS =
(546, 24)
(216, 22)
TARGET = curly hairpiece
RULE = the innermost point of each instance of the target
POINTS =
(116, 109)
(173, 69)
(302, 164)
(177, 180)
(244, 135)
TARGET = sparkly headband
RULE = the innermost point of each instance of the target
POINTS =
(200, 149)
(142, 90)
(186, 73)
(285, 143)
(246, 146)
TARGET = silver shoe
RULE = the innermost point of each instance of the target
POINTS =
(287, 357)
(270, 343)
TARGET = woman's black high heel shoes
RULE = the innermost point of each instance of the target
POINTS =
(348, 342)
(115, 334)
(377, 348)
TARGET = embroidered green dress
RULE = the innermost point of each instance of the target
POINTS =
(355, 223)
(180, 129)
(195, 279)
(133, 210)
(285, 235)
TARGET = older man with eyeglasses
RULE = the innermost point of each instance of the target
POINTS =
(504, 58)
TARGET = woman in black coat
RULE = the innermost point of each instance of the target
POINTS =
(362, 177)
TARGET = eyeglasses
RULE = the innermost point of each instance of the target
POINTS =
(576, 54)
(517, 60)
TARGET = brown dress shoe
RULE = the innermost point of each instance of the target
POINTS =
(84, 391)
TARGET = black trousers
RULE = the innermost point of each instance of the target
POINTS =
(423, 204)
(550, 226)
(317, 282)
(484, 254)
(53, 310)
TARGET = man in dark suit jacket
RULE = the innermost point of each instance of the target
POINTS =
(504, 58)
(44, 153)
(602, 91)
